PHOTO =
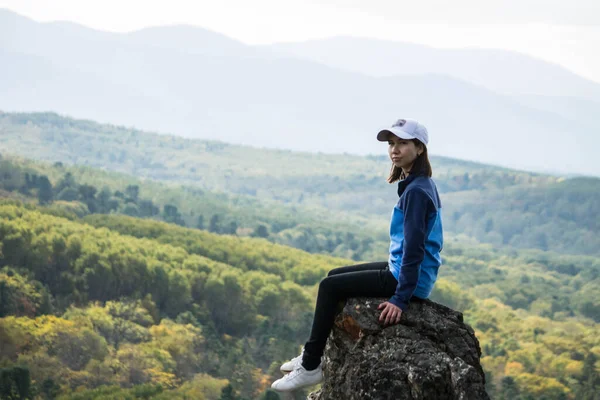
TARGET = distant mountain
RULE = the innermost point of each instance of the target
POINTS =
(575, 108)
(505, 72)
(215, 88)
(190, 39)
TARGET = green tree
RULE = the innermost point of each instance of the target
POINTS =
(590, 380)
(172, 215)
(179, 296)
(76, 348)
(270, 395)
(68, 194)
(508, 389)
(215, 224)
(227, 393)
(15, 383)
(132, 210)
(232, 228)
(261, 231)
(105, 202)
(67, 181)
(490, 388)
(231, 309)
(132, 193)
(200, 222)
(49, 389)
(45, 192)
(87, 194)
(147, 208)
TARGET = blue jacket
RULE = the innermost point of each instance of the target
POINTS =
(416, 239)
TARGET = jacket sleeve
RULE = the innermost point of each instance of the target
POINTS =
(416, 205)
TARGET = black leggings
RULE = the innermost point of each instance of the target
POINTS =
(362, 280)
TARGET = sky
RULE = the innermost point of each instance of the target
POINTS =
(563, 32)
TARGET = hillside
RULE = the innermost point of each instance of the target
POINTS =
(492, 204)
(316, 233)
(86, 303)
(93, 190)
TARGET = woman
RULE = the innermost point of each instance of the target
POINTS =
(416, 240)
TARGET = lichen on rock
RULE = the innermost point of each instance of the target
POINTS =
(431, 354)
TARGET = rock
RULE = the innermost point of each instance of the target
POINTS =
(431, 354)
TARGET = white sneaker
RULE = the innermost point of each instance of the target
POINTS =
(292, 364)
(298, 379)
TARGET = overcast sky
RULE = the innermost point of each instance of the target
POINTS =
(559, 31)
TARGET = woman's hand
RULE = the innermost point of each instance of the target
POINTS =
(390, 314)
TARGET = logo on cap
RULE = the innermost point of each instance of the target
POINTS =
(400, 123)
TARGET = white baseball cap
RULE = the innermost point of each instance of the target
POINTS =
(405, 129)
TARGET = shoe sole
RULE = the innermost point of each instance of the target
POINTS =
(296, 388)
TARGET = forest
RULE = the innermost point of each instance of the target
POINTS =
(116, 282)
(491, 204)
(91, 307)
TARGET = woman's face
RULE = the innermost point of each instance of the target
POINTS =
(403, 152)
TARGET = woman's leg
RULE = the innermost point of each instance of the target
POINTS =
(359, 267)
(368, 280)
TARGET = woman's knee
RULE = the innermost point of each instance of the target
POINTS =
(335, 271)
(326, 284)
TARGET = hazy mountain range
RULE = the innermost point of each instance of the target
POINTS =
(504, 72)
(330, 96)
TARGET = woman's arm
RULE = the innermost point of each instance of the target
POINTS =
(416, 208)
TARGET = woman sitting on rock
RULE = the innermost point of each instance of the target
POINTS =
(412, 267)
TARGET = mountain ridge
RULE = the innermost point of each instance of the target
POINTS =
(274, 101)
(377, 57)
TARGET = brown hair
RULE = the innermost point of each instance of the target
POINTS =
(421, 166)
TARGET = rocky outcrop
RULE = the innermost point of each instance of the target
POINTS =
(431, 354)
